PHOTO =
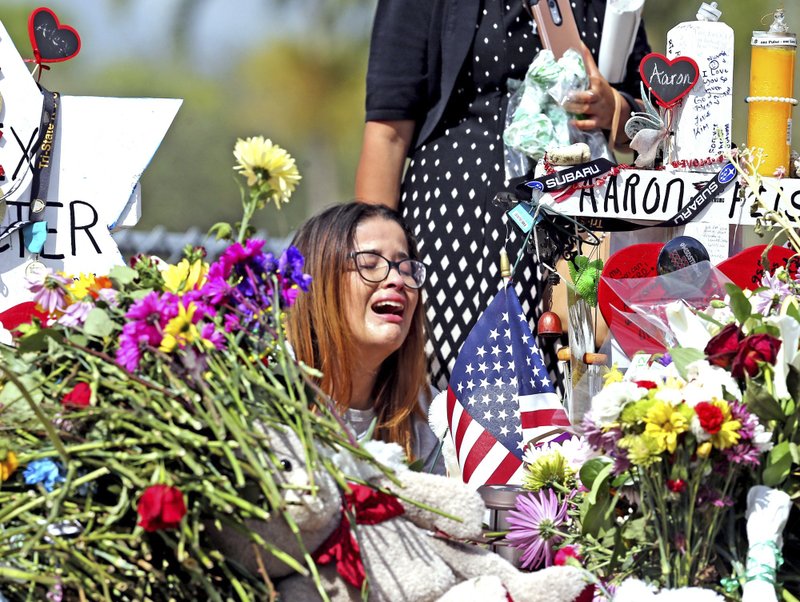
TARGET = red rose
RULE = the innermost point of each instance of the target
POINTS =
(722, 348)
(645, 384)
(752, 350)
(161, 507)
(676, 485)
(710, 417)
(79, 397)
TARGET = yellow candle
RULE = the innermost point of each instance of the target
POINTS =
(769, 121)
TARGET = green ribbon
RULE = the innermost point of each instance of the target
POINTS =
(760, 571)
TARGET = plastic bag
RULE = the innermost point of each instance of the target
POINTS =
(663, 306)
(536, 120)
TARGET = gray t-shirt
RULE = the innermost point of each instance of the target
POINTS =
(424, 443)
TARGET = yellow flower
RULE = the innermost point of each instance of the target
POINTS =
(8, 465)
(728, 434)
(185, 276)
(261, 162)
(642, 449)
(664, 423)
(180, 330)
(85, 285)
(704, 449)
(612, 376)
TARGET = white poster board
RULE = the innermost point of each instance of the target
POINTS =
(101, 147)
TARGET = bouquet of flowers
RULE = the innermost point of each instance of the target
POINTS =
(132, 419)
(687, 442)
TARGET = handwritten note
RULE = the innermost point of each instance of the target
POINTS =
(714, 237)
(703, 121)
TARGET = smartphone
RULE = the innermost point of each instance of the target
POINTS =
(556, 26)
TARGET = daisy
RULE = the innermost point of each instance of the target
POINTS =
(535, 524)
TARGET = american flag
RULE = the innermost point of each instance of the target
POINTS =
(500, 395)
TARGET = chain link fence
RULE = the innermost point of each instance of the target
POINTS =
(169, 245)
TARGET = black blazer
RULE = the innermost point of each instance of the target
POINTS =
(418, 48)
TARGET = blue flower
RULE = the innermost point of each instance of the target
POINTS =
(46, 472)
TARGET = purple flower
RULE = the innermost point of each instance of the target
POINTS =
(665, 359)
(772, 296)
(743, 453)
(535, 524)
(75, 315)
(50, 292)
(211, 334)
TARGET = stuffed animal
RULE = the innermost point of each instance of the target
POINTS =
(398, 550)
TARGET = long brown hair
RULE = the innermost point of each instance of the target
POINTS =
(322, 339)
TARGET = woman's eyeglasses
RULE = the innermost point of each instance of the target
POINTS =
(373, 267)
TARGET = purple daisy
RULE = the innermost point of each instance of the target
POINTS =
(775, 292)
(75, 315)
(50, 292)
(535, 524)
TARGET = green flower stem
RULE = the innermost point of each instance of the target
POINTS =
(46, 423)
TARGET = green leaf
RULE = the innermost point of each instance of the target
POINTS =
(600, 482)
(122, 275)
(40, 340)
(221, 231)
(793, 382)
(762, 403)
(595, 518)
(591, 469)
(683, 356)
(794, 451)
(739, 303)
(778, 466)
(98, 324)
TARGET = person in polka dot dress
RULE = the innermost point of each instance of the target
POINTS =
(437, 94)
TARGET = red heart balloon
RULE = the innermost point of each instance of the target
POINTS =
(22, 313)
(744, 269)
(634, 261)
(52, 42)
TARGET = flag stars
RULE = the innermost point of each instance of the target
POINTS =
(481, 351)
(503, 431)
(473, 400)
(482, 367)
(498, 382)
(494, 334)
(545, 382)
(498, 366)
(460, 387)
(513, 382)
(486, 399)
(536, 370)
(495, 350)
(501, 399)
(505, 317)
(525, 338)
(509, 349)
(522, 317)
(484, 383)
(469, 369)
(470, 385)
(487, 415)
(510, 366)
(502, 415)
(507, 334)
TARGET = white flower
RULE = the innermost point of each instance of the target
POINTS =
(575, 450)
(608, 403)
(670, 395)
(689, 329)
(706, 382)
(698, 431)
(762, 438)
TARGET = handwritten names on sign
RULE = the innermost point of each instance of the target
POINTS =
(658, 195)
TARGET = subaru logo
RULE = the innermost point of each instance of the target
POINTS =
(535, 185)
(726, 174)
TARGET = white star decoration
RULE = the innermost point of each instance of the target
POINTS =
(101, 148)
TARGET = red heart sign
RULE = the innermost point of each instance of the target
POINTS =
(52, 42)
(639, 261)
(668, 80)
(22, 313)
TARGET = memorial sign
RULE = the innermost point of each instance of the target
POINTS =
(95, 150)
